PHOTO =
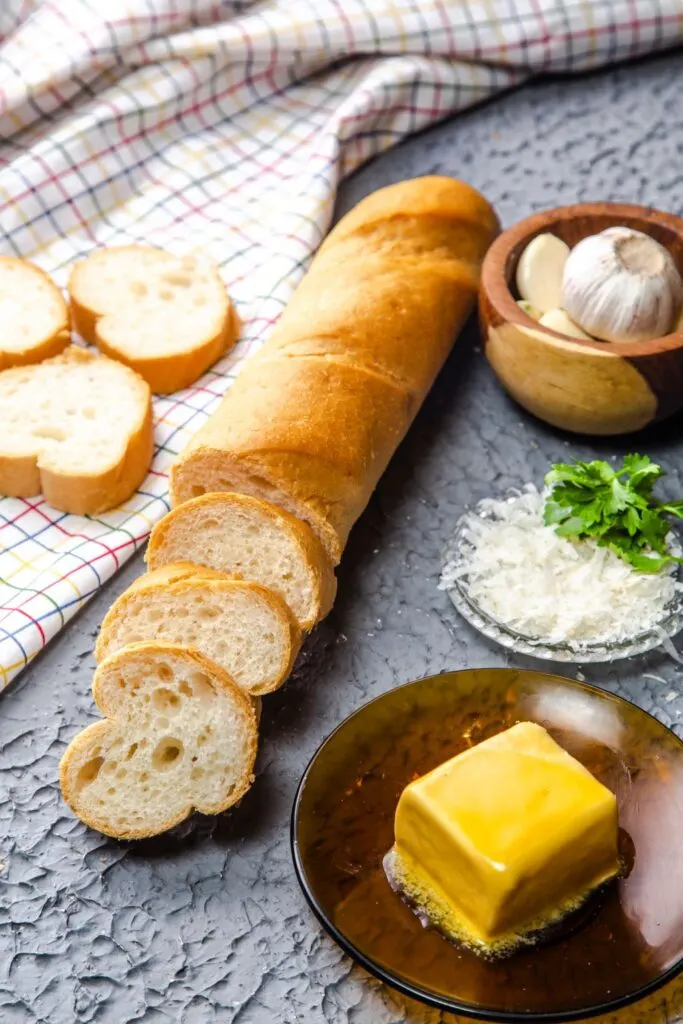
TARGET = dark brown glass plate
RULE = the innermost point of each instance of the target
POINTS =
(628, 943)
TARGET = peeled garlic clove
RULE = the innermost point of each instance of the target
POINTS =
(540, 269)
(621, 285)
(557, 320)
(530, 310)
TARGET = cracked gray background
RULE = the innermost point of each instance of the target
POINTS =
(209, 924)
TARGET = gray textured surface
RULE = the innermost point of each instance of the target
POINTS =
(209, 925)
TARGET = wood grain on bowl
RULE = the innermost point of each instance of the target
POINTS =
(589, 387)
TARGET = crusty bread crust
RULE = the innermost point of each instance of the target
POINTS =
(312, 421)
(177, 572)
(181, 580)
(89, 495)
(175, 371)
(26, 475)
(333, 449)
(108, 696)
(312, 552)
(50, 344)
(165, 373)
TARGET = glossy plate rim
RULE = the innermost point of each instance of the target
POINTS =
(423, 996)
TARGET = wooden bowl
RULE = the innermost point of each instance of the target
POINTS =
(589, 387)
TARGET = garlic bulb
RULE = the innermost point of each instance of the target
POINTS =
(539, 271)
(621, 286)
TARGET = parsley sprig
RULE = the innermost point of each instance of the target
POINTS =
(615, 507)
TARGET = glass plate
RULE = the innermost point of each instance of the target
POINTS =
(343, 824)
(582, 652)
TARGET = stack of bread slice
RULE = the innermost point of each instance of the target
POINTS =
(234, 584)
(265, 496)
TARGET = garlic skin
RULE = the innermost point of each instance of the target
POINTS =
(539, 271)
(622, 286)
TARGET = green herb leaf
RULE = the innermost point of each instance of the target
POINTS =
(619, 498)
(572, 527)
(614, 507)
(642, 472)
(555, 513)
(648, 563)
(632, 521)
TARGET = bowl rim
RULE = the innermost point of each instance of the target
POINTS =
(496, 291)
(413, 991)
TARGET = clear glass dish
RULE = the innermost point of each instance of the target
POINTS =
(581, 652)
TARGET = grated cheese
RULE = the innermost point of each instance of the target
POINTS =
(525, 577)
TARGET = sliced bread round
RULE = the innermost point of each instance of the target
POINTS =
(251, 539)
(245, 628)
(33, 314)
(77, 427)
(179, 735)
(167, 317)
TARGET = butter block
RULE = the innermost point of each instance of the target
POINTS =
(503, 839)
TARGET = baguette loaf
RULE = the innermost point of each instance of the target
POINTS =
(245, 628)
(313, 419)
(253, 540)
(178, 735)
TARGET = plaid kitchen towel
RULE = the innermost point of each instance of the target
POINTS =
(226, 127)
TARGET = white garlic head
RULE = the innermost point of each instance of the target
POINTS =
(621, 285)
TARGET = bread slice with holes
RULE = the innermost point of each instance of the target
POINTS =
(178, 735)
(78, 428)
(167, 317)
(254, 540)
(245, 628)
(34, 318)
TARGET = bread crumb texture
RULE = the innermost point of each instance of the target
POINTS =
(246, 629)
(77, 427)
(178, 736)
(33, 314)
(167, 317)
(250, 538)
